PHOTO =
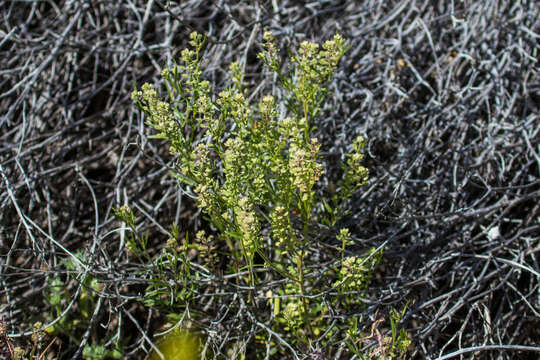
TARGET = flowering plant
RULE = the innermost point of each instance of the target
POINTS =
(254, 169)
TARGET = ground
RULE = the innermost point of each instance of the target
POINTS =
(445, 92)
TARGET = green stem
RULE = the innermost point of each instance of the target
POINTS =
(251, 279)
(305, 304)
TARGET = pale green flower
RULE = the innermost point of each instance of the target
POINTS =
(355, 272)
(281, 226)
(248, 225)
(304, 167)
(267, 106)
(344, 236)
(292, 313)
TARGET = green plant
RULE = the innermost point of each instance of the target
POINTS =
(386, 347)
(255, 169)
(58, 295)
(35, 349)
(169, 271)
(74, 323)
(100, 352)
(400, 341)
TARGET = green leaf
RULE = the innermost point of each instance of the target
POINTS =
(353, 348)
(183, 179)
(327, 207)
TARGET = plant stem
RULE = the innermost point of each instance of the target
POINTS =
(305, 304)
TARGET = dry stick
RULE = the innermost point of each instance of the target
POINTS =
(22, 217)
(475, 142)
(61, 316)
(27, 221)
(270, 331)
(489, 347)
(43, 65)
(4, 338)
(46, 349)
(86, 335)
(208, 38)
(143, 333)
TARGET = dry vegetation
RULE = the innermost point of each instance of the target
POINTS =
(445, 91)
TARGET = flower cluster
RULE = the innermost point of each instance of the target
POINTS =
(292, 311)
(207, 198)
(249, 226)
(314, 68)
(233, 105)
(207, 249)
(355, 175)
(267, 107)
(270, 54)
(355, 272)
(344, 236)
(281, 227)
(125, 214)
(159, 111)
(200, 165)
(304, 167)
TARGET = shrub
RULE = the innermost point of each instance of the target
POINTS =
(255, 170)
